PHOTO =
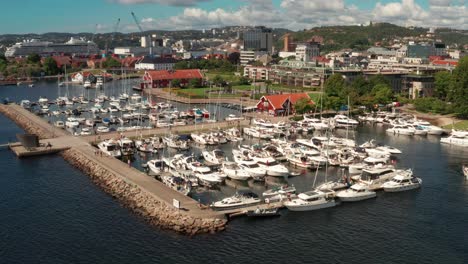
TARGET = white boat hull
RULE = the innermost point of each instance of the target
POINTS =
(298, 205)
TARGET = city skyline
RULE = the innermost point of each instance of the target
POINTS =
(68, 16)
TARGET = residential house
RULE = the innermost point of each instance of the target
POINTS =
(163, 78)
(280, 104)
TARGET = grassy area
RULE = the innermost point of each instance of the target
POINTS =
(462, 125)
(229, 77)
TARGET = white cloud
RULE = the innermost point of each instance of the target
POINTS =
(162, 2)
(300, 14)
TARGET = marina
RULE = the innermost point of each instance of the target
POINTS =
(318, 150)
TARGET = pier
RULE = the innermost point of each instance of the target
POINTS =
(144, 195)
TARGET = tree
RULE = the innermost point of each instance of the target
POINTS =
(334, 85)
(303, 105)
(458, 89)
(243, 80)
(360, 85)
(175, 83)
(234, 57)
(382, 93)
(33, 58)
(195, 83)
(442, 84)
(111, 63)
(217, 80)
(50, 66)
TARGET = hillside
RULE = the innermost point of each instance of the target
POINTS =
(362, 37)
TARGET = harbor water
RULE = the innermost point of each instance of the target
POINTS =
(53, 213)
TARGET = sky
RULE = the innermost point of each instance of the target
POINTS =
(40, 16)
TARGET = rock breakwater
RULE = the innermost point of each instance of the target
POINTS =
(25, 123)
(141, 202)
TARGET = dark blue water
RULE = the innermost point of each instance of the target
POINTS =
(52, 213)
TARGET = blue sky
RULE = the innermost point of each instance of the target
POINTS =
(39, 16)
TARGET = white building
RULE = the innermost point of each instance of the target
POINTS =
(306, 52)
(247, 56)
(256, 73)
(148, 63)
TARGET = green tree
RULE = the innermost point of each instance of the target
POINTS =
(175, 83)
(382, 93)
(195, 83)
(243, 80)
(334, 85)
(442, 84)
(303, 105)
(50, 66)
(33, 58)
(360, 85)
(111, 63)
(217, 80)
(458, 89)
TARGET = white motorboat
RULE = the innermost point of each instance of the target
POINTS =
(72, 123)
(59, 124)
(356, 192)
(311, 200)
(233, 134)
(257, 132)
(99, 82)
(465, 170)
(235, 172)
(302, 161)
(342, 121)
(375, 176)
(110, 148)
(85, 132)
(216, 156)
(145, 146)
(177, 183)
(126, 146)
(263, 123)
(43, 101)
(257, 172)
(457, 139)
(236, 201)
(403, 181)
(102, 129)
(87, 84)
(398, 129)
(232, 117)
(317, 124)
(273, 168)
(176, 143)
(279, 193)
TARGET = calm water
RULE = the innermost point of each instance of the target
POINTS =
(52, 213)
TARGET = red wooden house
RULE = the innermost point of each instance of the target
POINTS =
(279, 104)
(163, 78)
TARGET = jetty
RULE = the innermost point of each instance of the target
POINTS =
(159, 204)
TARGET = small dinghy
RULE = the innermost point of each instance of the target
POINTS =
(267, 212)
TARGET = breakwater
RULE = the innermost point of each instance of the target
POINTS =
(145, 204)
(30, 123)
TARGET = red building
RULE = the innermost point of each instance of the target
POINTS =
(280, 104)
(163, 78)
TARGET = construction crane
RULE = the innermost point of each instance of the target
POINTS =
(141, 30)
(114, 30)
(92, 37)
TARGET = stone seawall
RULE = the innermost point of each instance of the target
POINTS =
(156, 212)
(23, 122)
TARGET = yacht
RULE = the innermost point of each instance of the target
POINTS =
(87, 84)
(375, 176)
(257, 132)
(85, 131)
(301, 160)
(279, 193)
(145, 146)
(342, 121)
(176, 143)
(456, 139)
(356, 192)
(59, 124)
(216, 156)
(102, 129)
(99, 82)
(127, 146)
(43, 100)
(397, 129)
(273, 168)
(110, 148)
(403, 181)
(232, 117)
(235, 172)
(177, 183)
(236, 201)
(316, 123)
(311, 200)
